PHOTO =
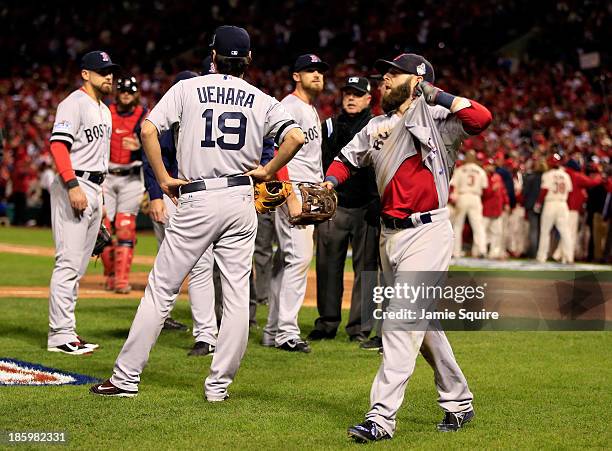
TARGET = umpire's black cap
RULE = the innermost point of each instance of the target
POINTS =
(310, 60)
(231, 41)
(98, 61)
(359, 84)
(409, 63)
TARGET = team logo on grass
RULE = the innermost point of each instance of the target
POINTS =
(16, 372)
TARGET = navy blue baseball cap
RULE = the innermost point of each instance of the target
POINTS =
(97, 61)
(409, 63)
(231, 41)
(309, 60)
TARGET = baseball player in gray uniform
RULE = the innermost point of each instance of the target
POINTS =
(223, 121)
(200, 277)
(413, 150)
(80, 145)
(295, 244)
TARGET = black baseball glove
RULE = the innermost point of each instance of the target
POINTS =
(104, 239)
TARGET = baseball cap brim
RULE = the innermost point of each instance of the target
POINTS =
(321, 66)
(354, 88)
(114, 68)
(383, 66)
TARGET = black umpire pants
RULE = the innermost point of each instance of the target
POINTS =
(361, 228)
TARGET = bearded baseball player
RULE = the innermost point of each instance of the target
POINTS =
(222, 121)
(123, 187)
(80, 145)
(295, 244)
(412, 149)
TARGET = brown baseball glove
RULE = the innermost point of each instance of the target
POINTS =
(270, 195)
(318, 204)
(104, 239)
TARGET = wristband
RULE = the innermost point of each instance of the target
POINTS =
(332, 179)
(445, 99)
(72, 183)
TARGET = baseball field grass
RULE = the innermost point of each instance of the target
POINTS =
(533, 390)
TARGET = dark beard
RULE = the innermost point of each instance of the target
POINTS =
(396, 97)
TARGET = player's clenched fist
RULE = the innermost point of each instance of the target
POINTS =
(78, 200)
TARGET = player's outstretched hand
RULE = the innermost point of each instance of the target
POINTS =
(78, 200)
(260, 174)
(171, 188)
(328, 185)
(158, 211)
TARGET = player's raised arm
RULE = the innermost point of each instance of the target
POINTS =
(474, 117)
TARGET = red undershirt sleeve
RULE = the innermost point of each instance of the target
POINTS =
(339, 171)
(61, 157)
(475, 119)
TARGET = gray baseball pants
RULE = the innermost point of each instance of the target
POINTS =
(226, 219)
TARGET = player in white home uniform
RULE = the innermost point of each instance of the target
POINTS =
(295, 244)
(413, 150)
(554, 190)
(468, 182)
(223, 121)
(80, 145)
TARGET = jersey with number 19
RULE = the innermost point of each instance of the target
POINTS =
(223, 121)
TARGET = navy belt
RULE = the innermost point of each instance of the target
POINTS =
(201, 184)
(94, 177)
(404, 223)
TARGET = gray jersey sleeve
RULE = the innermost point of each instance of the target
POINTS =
(357, 151)
(278, 122)
(67, 121)
(168, 110)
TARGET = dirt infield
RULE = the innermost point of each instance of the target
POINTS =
(92, 286)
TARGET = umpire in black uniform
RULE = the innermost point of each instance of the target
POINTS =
(356, 221)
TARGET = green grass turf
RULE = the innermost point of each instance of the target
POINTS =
(532, 390)
(34, 270)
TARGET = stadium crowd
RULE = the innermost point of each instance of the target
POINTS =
(543, 104)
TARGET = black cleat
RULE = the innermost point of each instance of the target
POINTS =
(295, 346)
(452, 422)
(316, 334)
(368, 431)
(373, 344)
(201, 348)
(108, 389)
(172, 324)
